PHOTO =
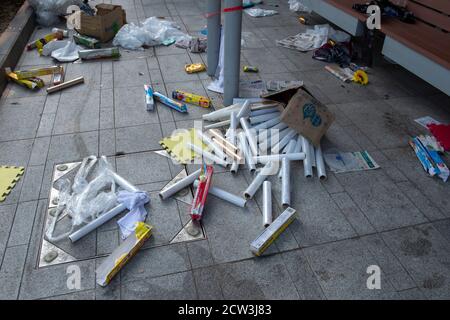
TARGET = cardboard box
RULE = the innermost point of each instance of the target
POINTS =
(105, 24)
(303, 113)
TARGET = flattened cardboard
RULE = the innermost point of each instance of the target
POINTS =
(303, 113)
(105, 24)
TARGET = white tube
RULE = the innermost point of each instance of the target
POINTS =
(217, 125)
(123, 183)
(320, 165)
(267, 203)
(218, 135)
(283, 142)
(208, 141)
(225, 195)
(268, 124)
(307, 163)
(313, 155)
(231, 153)
(279, 157)
(263, 111)
(207, 155)
(222, 113)
(183, 183)
(288, 149)
(264, 117)
(246, 151)
(279, 126)
(298, 146)
(259, 179)
(249, 133)
(231, 132)
(244, 111)
(285, 182)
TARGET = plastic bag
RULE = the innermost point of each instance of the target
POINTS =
(153, 31)
(258, 12)
(48, 11)
(298, 5)
(68, 53)
(52, 46)
(84, 201)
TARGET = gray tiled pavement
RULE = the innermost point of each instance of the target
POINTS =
(395, 217)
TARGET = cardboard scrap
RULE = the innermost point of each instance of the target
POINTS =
(9, 176)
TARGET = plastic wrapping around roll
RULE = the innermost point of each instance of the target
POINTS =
(225, 195)
(123, 183)
(320, 164)
(220, 124)
(210, 143)
(246, 151)
(250, 135)
(231, 132)
(244, 111)
(263, 117)
(290, 148)
(298, 146)
(258, 180)
(218, 135)
(307, 163)
(207, 155)
(267, 203)
(279, 157)
(268, 124)
(284, 141)
(183, 183)
(285, 182)
(263, 111)
(221, 114)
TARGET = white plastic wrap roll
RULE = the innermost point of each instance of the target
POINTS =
(268, 124)
(216, 125)
(221, 114)
(279, 157)
(250, 135)
(320, 164)
(246, 151)
(183, 183)
(244, 111)
(263, 117)
(307, 163)
(285, 182)
(298, 146)
(225, 195)
(263, 111)
(218, 151)
(258, 180)
(289, 149)
(267, 203)
(284, 141)
(207, 155)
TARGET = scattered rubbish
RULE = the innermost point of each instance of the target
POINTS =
(250, 69)
(36, 72)
(201, 193)
(298, 5)
(65, 85)
(251, 88)
(225, 195)
(271, 233)
(133, 201)
(122, 254)
(195, 45)
(105, 24)
(68, 53)
(303, 20)
(334, 52)
(52, 46)
(177, 145)
(86, 41)
(48, 11)
(180, 185)
(180, 107)
(58, 77)
(168, 42)
(303, 112)
(310, 40)
(258, 12)
(191, 98)
(344, 74)
(30, 83)
(64, 32)
(40, 43)
(340, 162)
(195, 67)
(50, 256)
(425, 121)
(149, 101)
(442, 134)
(90, 54)
(431, 162)
(153, 31)
(388, 9)
(360, 77)
(9, 176)
(277, 85)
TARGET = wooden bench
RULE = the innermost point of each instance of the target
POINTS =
(423, 47)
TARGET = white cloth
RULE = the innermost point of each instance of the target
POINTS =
(134, 201)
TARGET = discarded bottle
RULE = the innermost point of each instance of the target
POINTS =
(250, 69)
(90, 54)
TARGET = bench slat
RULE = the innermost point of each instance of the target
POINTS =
(428, 15)
(440, 5)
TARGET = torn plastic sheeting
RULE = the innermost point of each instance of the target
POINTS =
(258, 12)
(153, 31)
(68, 53)
(48, 11)
(134, 201)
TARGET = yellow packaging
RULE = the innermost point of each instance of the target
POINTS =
(37, 72)
(31, 83)
(195, 67)
(191, 98)
(122, 254)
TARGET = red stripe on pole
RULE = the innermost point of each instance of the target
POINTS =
(231, 9)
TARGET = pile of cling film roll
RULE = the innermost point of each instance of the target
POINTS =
(266, 146)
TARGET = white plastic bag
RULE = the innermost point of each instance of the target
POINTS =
(48, 11)
(68, 53)
(153, 31)
(258, 12)
(298, 5)
(52, 46)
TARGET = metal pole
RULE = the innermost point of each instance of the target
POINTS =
(213, 21)
(232, 54)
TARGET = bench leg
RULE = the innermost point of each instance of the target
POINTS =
(367, 50)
